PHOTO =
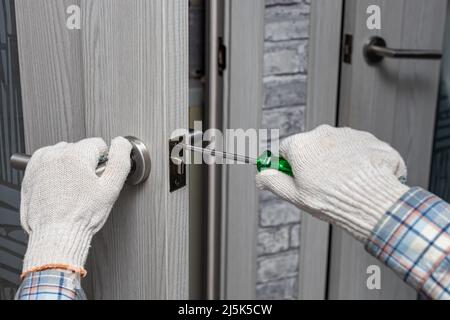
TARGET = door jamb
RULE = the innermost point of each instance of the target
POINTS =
(243, 37)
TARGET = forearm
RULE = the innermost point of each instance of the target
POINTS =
(413, 239)
(51, 285)
(353, 180)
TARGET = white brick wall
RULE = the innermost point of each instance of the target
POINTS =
(285, 82)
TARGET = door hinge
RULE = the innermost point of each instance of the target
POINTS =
(348, 48)
(222, 57)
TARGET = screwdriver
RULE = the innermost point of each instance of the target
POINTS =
(263, 162)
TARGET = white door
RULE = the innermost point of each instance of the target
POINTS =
(123, 72)
(396, 100)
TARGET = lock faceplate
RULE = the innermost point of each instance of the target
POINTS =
(177, 166)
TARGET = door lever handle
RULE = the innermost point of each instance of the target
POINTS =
(375, 50)
(140, 162)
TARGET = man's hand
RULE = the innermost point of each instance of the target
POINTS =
(64, 203)
(346, 177)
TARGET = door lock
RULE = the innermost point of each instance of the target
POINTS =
(140, 162)
(177, 158)
(177, 165)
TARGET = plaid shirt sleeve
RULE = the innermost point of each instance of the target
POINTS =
(51, 285)
(413, 239)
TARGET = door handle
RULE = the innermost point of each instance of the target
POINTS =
(375, 50)
(140, 162)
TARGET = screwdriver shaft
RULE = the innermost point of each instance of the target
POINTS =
(220, 154)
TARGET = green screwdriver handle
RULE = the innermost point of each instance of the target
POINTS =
(268, 161)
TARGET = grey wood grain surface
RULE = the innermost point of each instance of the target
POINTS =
(243, 99)
(124, 73)
(50, 63)
(136, 78)
(323, 90)
(396, 101)
(50, 57)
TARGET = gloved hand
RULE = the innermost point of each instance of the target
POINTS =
(64, 203)
(345, 177)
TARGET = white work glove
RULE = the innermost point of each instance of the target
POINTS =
(64, 203)
(345, 177)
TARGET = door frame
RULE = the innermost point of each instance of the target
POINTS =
(243, 79)
(322, 108)
(235, 97)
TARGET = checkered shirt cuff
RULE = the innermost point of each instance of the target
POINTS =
(413, 239)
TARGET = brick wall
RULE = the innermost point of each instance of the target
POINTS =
(285, 79)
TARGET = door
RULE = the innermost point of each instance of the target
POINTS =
(123, 72)
(395, 99)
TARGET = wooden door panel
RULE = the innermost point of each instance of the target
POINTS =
(50, 63)
(124, 73)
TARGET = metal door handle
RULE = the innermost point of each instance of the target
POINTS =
(375, 50)
(140, 162)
